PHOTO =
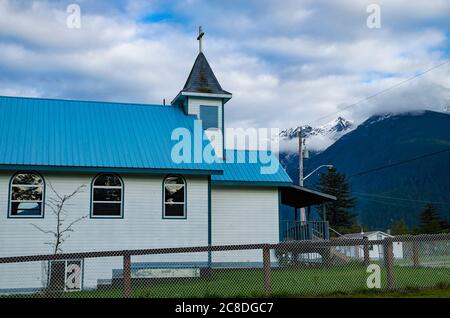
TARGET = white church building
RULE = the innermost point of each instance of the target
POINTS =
(132, 193)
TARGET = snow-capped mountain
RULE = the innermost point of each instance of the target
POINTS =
(319, 138)
(390, 138)
(377, 118)
(334, 127)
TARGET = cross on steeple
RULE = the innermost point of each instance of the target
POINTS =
(199, 38)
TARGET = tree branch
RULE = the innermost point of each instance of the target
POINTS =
(54, 191)
(69, 227)
(42, 230)
(57, 207)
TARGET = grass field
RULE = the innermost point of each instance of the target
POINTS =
(343, 281)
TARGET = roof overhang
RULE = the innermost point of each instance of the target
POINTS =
(44, 168)
(183, 95)
(300, 197)
(249, 183)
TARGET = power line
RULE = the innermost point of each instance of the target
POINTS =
(397, 198)
(392, 164)
(399, 163)
(396, 204)
(374, 196)
(395, 164)
(382, 200)
(403, 205)
(379, 93)
(382, 91)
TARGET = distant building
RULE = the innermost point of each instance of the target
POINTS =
(375, 251)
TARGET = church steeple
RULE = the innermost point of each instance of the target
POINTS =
(202, 78)
(201, 81)
(203, 97)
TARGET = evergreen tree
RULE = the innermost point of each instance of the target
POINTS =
(430, 221)
(445, 225)
(340, 212)
(400, 228)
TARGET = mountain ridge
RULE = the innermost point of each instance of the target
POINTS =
(385, 139)
(318, 138)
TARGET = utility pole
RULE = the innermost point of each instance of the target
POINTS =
(301, 178)
(300, 157)
(300, 170)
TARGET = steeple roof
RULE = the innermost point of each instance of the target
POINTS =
(202, 78)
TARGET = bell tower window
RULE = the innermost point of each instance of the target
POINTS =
(209, 116)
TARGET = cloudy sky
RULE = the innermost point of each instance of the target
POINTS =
(286, 62)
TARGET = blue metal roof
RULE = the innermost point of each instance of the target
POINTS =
(245, 167)
(61, 133)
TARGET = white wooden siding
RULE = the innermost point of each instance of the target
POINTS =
(243, 215)
(240, 215)
(141, 227)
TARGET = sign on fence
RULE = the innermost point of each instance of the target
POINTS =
(166, 273)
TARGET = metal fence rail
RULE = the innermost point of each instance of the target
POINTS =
(313, 267)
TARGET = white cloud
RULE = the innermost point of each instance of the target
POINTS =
(286, 64)
(314, 143)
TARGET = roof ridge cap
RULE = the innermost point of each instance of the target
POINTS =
(82, 101)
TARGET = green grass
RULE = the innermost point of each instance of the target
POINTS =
(440, 260)
(343, 281)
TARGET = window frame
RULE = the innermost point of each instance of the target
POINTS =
(121, 187)
(164, 216)
(201, 118)
(10, 192)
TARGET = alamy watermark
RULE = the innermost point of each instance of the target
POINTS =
(374, 19)
(249, 145)
(73, 20)
(374, 279)
(446, 107)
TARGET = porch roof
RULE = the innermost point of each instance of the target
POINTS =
(300, 197)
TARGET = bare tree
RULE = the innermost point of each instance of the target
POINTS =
(62, 231)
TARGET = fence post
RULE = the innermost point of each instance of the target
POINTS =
(126, 276)
(267, 271)
(415, 254)
(327, 230)
(388, 247)
(366, 251)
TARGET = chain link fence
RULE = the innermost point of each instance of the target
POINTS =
(291, 268)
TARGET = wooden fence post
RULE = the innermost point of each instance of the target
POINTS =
(388, 247)
(267, 272)
(366, 251)
(126, 276)
(415, 254)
